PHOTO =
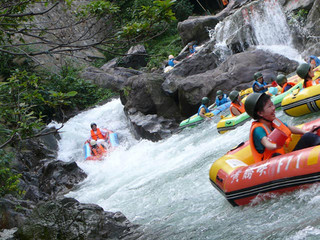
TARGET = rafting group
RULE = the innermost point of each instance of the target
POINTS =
(277, 157)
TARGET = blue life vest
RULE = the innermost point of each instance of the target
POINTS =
(260, 85)
(193, 50)
(203, 106)
(223, 100)
(170, 62)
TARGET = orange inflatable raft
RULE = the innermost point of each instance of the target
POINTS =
(111, 142)
(240, 180)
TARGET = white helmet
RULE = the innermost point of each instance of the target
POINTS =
(93, 142)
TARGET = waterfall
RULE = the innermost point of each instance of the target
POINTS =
(262, 24)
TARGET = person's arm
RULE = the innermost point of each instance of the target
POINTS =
(269, 145)
(296, 130)
(202, 113)
(235, 111)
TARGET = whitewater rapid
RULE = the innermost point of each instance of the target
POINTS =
(164, 186)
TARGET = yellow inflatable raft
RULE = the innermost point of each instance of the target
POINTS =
(302, 102)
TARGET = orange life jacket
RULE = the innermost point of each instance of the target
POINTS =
(240, 108)
(225, 2)
(286, 84)
(97, 135)
(98, 151)
(310, 83)
(267, 153)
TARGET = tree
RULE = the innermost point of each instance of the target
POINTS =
(26, 29)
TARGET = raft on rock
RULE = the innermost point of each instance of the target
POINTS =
(102, 150)
(196, 119)
(240, 180)
(229, 123)
(303, 102)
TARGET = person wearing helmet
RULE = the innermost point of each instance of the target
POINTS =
(221, 98)
(260, 107)
(203, 109)
(96, 149)
(259, 85)
(236, 107)
(171, 61)
(306, 72)
(314, 61)
(283, 83)
(99, 135)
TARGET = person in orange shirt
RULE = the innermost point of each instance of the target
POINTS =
(305, 71)
(282, 81)
(236, 107)
(260, 107)
(99, 135)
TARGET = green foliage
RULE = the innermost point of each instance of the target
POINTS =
(9, 181)
(88, 94)
(160, 48)
(183, 9)
(98, 8)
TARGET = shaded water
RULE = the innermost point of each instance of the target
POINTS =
(165, 186)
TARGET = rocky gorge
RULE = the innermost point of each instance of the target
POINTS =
(154, 103)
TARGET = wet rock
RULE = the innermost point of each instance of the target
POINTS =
(151, 127)
(196, 28)
(58, 177)
(66, 218)
(144, 93)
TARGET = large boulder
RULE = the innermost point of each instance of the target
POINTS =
(235, 73)
(135, 58)
(66, 218)
(109, 77)
(57, 177)
(196, 28)
(144, 93)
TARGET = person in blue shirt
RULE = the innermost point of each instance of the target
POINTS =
(314, 61)
(192, 48)
(259, 85)
(203, 109)
(221, 98)
(171, 61)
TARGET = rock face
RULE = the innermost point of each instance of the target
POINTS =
(196, 28)
(136, 58)
(41, 212)
(109, 77)
(66, 218)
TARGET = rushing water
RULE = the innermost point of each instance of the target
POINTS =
(165, 187)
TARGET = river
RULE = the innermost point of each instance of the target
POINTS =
(165, 187)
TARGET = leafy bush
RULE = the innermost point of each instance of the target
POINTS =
(183, 9)
(9, 180)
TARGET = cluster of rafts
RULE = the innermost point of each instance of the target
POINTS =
(236, 175)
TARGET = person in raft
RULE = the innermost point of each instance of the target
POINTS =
(314, 61)
(260, 107)
(221, 98)
(236, 107)
(203, 109)
(305, 71)
(283, 83)
(171, 61)
(259, 85)
(96, 149)
(99, 135)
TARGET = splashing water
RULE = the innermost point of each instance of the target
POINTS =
(165, 187)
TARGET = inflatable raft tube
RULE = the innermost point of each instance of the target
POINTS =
(196, 119)
(303, 102)
(240, 180)
(112, 143)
